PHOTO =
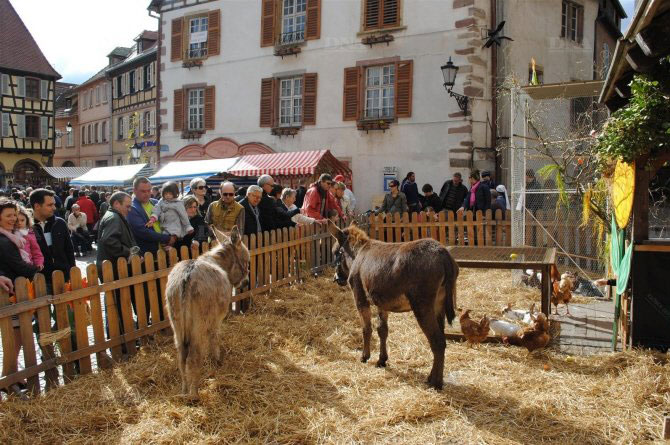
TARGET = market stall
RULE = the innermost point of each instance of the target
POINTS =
(65, 174)
(119, 175)
(187, 170)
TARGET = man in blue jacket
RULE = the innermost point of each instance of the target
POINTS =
(148, 238)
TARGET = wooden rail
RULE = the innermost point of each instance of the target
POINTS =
(125, 307)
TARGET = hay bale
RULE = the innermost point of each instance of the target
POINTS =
(292, 374)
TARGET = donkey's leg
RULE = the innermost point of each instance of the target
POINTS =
(193, 370)
(366, 322)
(383, 331)
(182, 353)
(428, 321)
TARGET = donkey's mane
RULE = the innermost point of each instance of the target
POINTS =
(357, 236)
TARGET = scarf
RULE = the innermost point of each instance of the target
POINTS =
(20, 242)
(502, 189)
(473, 195)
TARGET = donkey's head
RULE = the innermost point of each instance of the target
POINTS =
(348, 241)
(232, 256)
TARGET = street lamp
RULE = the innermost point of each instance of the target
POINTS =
(449, 71)
(68, 130)
(135, 151)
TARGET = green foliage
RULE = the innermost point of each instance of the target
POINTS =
(643, 126)
(554, 171)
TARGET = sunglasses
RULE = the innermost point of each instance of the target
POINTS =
(393, 185)
(328, 183)
(201, 187)
(227, 194)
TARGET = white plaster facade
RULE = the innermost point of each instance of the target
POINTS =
(434, 142)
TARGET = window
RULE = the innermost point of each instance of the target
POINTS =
(104, 93)
(540, 74)
(119, 85)
(119, 161)
(379, 92)
(572, 19)
(5, 84)
(89, 135)
(103, 135)
(32, 127)
(290, 102)
(119, 129)
(146, 123)
(606, 56)
(294, 13)
(131, 81)
(380, 14)
(95, 132)
(197, 46)
(90, 98)
(44, 127)
(58, 142)
(70, 139)
(44, 89)
(32, 88)
(97, 95)
(196, 109)
(147, 76)
(83, 135)
(102, 163)
(21, 86)
(5, 125)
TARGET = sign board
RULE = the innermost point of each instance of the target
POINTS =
(165, 148)
(390, 173)
(199, 37)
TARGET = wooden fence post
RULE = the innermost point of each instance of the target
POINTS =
(461, 228)
(152, 289)
(44, 323)
(111, 310)
(63, 322)
(9, 360)
(96, 317)
(80, 321)
(126, 305)
(140, 300)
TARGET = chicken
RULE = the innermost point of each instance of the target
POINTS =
(474, 332)
(518, 314)
(504, 328)
(562, 291)
(533, 338)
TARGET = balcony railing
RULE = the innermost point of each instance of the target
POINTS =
(290, 38)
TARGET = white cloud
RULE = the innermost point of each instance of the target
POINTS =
(76, 35)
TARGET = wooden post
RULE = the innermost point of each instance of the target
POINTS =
(152, 289)
(9, 363)
(80, 321)
(461, 228)
(111, 309)
(126, 305)
(162, 264)
(479, 222)
(666, 426)
(63, 322)
(488, 220)
(140, 301)
(97, 322)
(44, 323)
(451, 226)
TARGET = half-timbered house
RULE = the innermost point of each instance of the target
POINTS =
(27, 90)
(134, 100)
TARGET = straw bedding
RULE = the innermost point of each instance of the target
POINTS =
(292, 375)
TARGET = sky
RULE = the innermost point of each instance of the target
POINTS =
(77, 35)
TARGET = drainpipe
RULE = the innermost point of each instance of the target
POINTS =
(158, 88)
(494, 88)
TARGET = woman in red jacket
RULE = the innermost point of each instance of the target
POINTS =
(88, 207)
(319, 200)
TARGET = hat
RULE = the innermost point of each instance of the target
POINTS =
(339, 178)
(501, 189)
(486, 173)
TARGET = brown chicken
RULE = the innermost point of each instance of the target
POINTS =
(562, 290)
(474, 332)
(532, 338)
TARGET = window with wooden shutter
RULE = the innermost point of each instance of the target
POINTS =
(21, 86)
(21, 125)
(210, 115)
(178, 106)
(403, 93)
(176, 48)
(4, 89)
(268, 23)
(214, 33)
(309, 99)
(44, 89)
(267, 102)
(351, 107)
(379, 14)
(313, 28)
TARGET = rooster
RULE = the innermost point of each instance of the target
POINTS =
(474, 332)
(533, 338)
(562, 290)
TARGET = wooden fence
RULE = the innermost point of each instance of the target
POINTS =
(85, 324)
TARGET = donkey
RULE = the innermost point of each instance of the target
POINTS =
(418, 276)
(199, 293)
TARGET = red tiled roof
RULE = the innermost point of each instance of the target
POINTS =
(18, 49)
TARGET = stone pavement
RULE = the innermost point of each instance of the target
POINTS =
(588, 330)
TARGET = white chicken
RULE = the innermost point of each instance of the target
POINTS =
(504, 328)
(518, 314)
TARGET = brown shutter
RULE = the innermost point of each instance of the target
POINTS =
(313, 26)
(403, 89)
(214, 33)
(391, 13)
(580, 24)
(309, 99)
(268, 23)
(350, 110)
(267, 102)
(210, 115)
(372, 13)
(178, 110)
(176, 49)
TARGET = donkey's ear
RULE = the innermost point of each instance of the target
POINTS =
(235, 237)
(221, 237)
(334, 230)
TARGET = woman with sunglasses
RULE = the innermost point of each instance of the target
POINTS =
(199, 190)
(395, 201)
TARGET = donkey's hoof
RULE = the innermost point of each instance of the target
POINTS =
(435, 385)
(381, 364)
(365, 359)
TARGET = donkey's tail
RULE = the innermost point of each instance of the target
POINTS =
(450, 276)
(185, 311)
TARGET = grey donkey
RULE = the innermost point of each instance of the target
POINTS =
(199, 293)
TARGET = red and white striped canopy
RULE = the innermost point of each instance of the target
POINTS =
(298, 163)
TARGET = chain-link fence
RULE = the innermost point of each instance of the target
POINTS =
(550, 165)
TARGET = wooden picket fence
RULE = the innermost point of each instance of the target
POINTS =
(124, 311)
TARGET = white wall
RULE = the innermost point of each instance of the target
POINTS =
(420, 143)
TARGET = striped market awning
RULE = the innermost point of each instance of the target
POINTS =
(66, 172)
(298, 163)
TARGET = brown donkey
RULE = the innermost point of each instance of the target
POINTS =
(418, 276)
(199, 293)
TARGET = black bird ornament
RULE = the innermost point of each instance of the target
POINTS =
(495, 37)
